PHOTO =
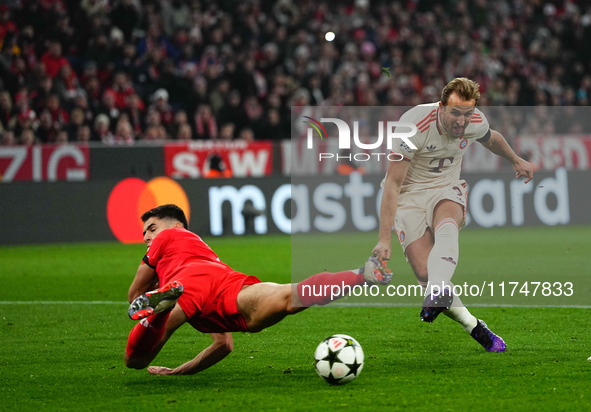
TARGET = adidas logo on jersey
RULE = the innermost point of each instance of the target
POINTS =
(431, 148)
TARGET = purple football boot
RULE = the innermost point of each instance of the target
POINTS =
(435, 304)
(489, 341)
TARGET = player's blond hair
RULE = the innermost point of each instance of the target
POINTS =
(465, 88)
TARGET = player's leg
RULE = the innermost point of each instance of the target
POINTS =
(149, 336)
(264, 304)
(431, 265)
(323, 288)
(442, 259)
(447, 217)
(417, 254)
(433, 258)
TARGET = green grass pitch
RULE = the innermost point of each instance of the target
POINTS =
(68, 356)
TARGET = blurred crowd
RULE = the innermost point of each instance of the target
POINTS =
(122, 71)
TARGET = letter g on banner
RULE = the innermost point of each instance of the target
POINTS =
(131, 197)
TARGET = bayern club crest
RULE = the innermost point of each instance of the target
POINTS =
(463, 144)
(401, 236)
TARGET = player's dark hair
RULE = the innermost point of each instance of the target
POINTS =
(465, 88)
(169, 211)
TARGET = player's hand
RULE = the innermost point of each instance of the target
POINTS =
(523, 168)
(383, 250)
(160, 370)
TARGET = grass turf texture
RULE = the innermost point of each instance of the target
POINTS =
(68, 356)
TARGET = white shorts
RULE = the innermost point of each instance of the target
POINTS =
(415, 210)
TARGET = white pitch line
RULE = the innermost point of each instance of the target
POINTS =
(502, 305)
(400, 305)
(62, 302)
(478, 305)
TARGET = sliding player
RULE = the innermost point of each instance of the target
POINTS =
(211, 296)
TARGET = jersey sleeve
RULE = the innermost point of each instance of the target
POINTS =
(417, 116)
(146, 261)
(480, 127)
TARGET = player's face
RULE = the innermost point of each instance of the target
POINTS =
(155, 225)
(456, 116)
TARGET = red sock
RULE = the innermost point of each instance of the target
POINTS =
(144, 336)
(323, 288)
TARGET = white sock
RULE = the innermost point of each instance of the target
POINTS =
(461, 314)
(443, 258)
(458, 312)
(441, 266)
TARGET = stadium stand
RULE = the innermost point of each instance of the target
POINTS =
(122, 71)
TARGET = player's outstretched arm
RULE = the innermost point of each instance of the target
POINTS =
(144, 281)
(499, 146)
(220, 348)
(394, 179)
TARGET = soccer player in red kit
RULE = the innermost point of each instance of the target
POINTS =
(210, 295)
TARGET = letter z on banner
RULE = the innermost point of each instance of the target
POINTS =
(204, 159)
(44, 163)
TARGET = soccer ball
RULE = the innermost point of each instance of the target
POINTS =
(339, 359)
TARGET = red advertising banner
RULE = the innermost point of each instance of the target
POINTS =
(218, 159)
(44, 163)
(550, 153)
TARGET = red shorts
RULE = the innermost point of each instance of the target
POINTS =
(209, 297)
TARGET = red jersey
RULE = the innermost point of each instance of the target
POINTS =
(210, 286)
(174, 250)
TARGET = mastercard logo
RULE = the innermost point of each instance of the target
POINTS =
(131, 197)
